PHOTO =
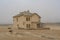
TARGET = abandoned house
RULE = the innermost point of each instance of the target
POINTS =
(26, 20)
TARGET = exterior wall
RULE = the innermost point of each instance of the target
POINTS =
(35, 19)
(22, 21)
(34, 26)
(14, 23)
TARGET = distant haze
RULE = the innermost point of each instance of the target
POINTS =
(49, 10)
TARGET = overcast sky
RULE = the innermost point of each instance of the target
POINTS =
(49, 10)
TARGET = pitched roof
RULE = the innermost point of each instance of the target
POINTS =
(25, 13)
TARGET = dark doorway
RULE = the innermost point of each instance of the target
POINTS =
(38, 25)
(28, 26)
(18, 26)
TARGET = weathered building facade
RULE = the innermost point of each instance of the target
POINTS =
(26, 20)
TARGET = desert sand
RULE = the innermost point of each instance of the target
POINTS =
(30, 34)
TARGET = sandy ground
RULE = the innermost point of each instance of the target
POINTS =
(28, 34)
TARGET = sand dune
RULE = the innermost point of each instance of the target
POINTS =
(53, 34)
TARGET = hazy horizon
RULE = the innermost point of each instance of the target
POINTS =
(49, 10)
